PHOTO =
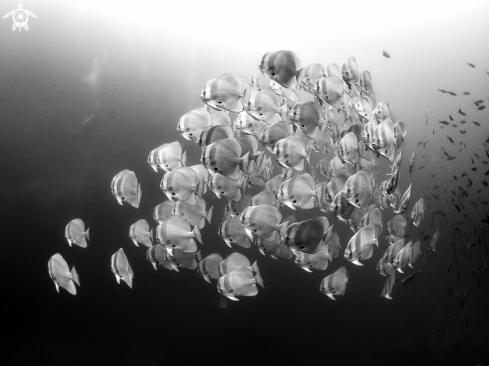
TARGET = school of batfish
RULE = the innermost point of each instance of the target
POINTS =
(283, 117)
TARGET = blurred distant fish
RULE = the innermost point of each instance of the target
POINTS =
(121, 268)
(386, 54)
(412, 161)
(125, 187)
(61, 275)
(409, 278)
(335, 283)
(435, 239)
(86, 126)
(75, 233)
(471, 65)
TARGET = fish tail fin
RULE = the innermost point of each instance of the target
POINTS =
(283, 227)
(184, 158)
(87, 234)
(74, 276)
(258, 276)
(139, 193)
(201, 188)
(208, 215)
(283, 110)
(300, 76)
(258, 158)
(197, 235)
(244, 183)
(247, 164)
(201, 223)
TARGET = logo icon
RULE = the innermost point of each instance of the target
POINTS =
(20, 17)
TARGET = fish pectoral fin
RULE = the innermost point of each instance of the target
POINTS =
(331, 296)
(232, 298)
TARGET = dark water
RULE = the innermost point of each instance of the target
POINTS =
(51, 174)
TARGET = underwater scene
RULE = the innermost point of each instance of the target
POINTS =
(255, 183)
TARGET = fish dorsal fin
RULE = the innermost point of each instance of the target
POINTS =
(197, 234)
(309, 180)
(258, 277)
(184, 158)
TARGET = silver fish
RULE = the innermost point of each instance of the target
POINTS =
(140, 233)
(61, 275)
(121, 268)
(125, 187)
(75, 233)
(335, 283)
